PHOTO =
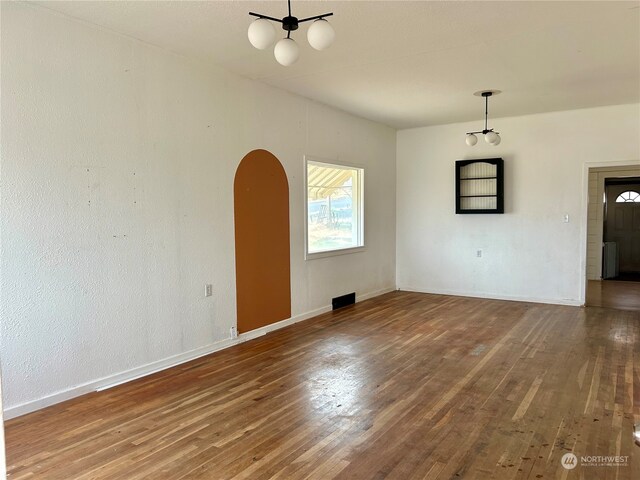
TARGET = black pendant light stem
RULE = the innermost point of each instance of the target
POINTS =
(486, 112)
(486, 96)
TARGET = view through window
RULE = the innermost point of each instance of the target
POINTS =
(334, 207)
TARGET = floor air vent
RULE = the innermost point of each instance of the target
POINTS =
(343, 301)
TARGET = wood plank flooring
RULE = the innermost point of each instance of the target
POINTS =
(613, 294)
(403, 386)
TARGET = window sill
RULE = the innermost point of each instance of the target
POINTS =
(333, 253)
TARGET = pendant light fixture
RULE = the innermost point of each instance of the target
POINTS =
(262, 34)
(491, 137)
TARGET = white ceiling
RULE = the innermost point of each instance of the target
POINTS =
(410, 64)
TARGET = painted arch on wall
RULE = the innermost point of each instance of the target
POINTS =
(261, 214)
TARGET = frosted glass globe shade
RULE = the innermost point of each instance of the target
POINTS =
(320, 34)
(261, 33)
(286, 51)
(471, 140)
(497, 140)
(490, 137)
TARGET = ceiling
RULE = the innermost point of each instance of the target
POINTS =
(408, 64)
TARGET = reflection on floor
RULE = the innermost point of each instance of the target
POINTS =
(612, 294)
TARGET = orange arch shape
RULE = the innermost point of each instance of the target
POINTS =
(263, 270)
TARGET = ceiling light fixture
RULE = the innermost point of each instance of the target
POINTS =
(262, 34)
(491, 137)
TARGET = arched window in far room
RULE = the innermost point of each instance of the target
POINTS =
(628, 196)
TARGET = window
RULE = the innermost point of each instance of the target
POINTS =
(334, 218)
(628, 196)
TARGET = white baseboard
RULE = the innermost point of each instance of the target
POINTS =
(258, 332)
(118, 378)
(377, 293)
(492, 296)
(159, 365)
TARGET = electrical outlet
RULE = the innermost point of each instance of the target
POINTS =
(233, 332)
(479, 253)
(208, 290)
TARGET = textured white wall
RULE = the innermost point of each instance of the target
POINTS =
(118, 161)
(529, 252)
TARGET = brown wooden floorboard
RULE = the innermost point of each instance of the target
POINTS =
(613, 294)
(402, 386)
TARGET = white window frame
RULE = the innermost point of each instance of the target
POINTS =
(360, 209)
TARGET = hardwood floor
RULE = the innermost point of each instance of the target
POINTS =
(613, 294)
(402, 386)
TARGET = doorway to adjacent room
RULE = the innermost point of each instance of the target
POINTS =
(613, 237)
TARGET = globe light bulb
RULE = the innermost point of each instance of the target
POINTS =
(261, 33)
(321, 34)
(490, 137)
(471, 139)
(286, 51)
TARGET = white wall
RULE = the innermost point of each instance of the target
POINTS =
(529, 252)
(118, 161)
